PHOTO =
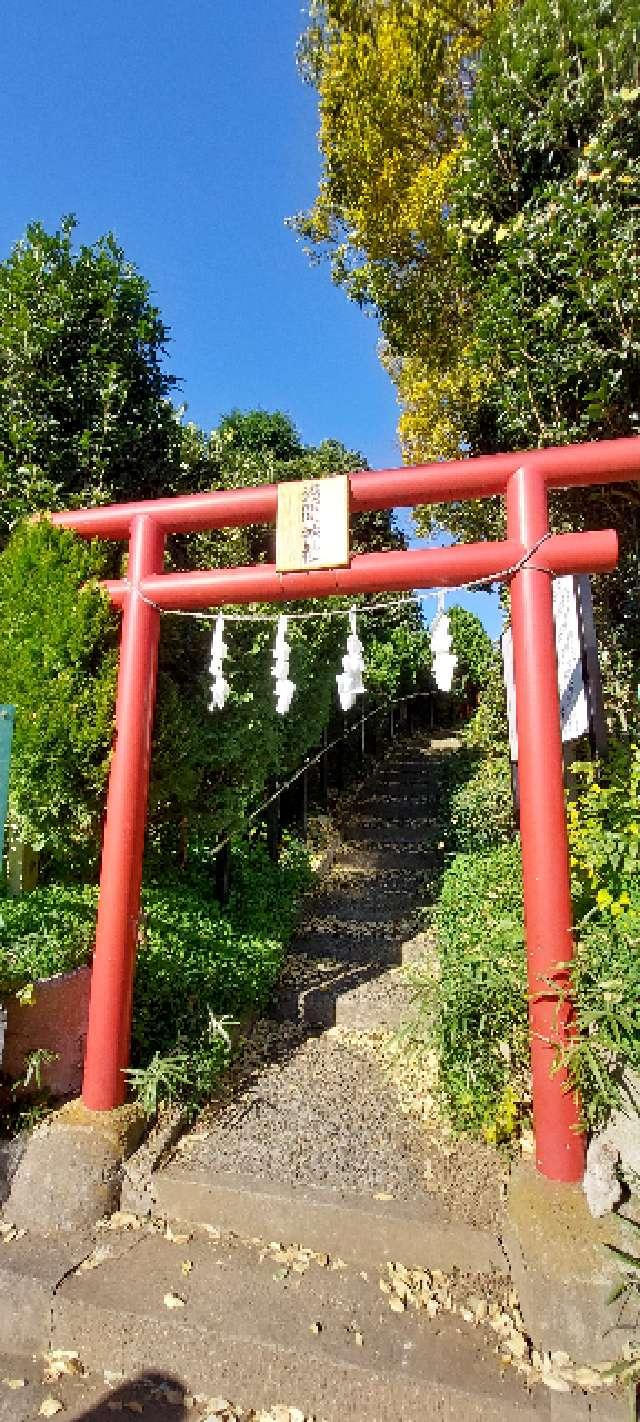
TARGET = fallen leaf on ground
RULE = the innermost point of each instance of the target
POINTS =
(14, 1383)
(173, 1301)
(98, 1257)
(50, 1406)
(176, 1238)
(62, 1362)
(186, 1266)
(382, 1195)
(120, 1219)
(134, 1407)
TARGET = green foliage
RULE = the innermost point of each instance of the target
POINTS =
(85, 415)
(476, 1007)
(45, 932)
(199, 966)
(547, 214)
(481, 809)
(57, 666)
(398, 662)
(480, 1012)
(472, 647)
(604, 831)
(196, 958)
(488, 729)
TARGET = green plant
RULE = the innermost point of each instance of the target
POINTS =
(478, 1003)
(48, 931)
(85, 416)
(157, 1083)
(58, 640)
(480, 811)
(34, 1064)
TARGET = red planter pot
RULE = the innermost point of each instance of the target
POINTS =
(56, 1020)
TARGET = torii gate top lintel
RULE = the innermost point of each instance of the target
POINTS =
(525, 479)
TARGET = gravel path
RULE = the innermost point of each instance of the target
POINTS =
(345, 1108)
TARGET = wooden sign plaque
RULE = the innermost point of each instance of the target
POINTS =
(313, 524)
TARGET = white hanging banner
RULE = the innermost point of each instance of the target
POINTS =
(219, 687)
(444, 661)
(571, 614)
(350, 683)
(283, 686)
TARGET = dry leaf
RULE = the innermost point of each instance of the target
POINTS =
(15, 1383)
(176, 1238)
(359, 1340)
(120, 1219)
(134, 1407)
(316, 1327)
(186, 1266)
(61, 1362)
(218, 1405)
(173, 1301)
(382, 1195)
(98, 1257)
(50, 1407)
(555, 1384)
(396, 1304)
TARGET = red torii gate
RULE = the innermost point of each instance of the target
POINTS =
(524, 479)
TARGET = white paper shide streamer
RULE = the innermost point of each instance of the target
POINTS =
(350, 683)
(283, 686)
(219, 687)
(444, 662)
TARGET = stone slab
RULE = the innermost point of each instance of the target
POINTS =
(361, 1230)
(563, 1271)
(70, 1174)
(30, 1272)
(243, 1332)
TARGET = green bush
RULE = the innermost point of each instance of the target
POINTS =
(479, 1002)
(481, 809)
(196, 958)
(58, 653)
(196, 962)
(604, 837)
(49, 931)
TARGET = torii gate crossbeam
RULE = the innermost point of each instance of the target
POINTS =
(528, 560)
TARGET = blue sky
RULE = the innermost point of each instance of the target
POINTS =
(185, 129)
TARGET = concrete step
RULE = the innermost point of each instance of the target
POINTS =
(323, 1339)
(370, 829)
(364, 1230)
(349, 947)
(363, 902)
(266, 1325)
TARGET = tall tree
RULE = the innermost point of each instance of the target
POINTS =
(85, 414)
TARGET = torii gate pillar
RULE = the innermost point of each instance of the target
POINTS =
(545, 855)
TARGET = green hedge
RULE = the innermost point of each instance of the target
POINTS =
(195, 959)
(480, 1006)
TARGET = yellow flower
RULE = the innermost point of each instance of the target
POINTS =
(594, 789)
(616, 909)
(624, 898)
(603, 898)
